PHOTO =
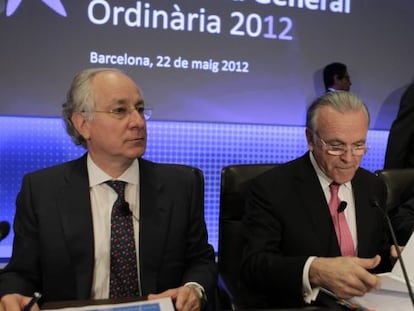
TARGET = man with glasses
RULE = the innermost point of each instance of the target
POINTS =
(312, 224)
(109, 224)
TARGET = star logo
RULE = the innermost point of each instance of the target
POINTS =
(55, 5)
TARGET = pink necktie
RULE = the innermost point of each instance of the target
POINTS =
(341, 226)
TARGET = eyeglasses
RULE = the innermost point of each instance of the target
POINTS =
(123, 111)
(340, 149)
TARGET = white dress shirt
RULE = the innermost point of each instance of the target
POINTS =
(346, 194)
(102, 200)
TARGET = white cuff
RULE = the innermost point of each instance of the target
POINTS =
(309, 293)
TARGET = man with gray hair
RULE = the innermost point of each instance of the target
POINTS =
(310, 223)
(109, 224)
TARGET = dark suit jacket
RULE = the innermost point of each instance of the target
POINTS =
(400, 146)
(403, 220)
(53, 250)
(287, 220)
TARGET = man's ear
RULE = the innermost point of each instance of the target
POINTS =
(336, 79)
(309, 139)
(81, 124)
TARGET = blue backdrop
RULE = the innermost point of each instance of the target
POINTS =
(27, 144)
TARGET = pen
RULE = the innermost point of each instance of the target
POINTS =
(35, 299)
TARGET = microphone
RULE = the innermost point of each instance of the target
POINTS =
(4, 229)
(400, 259)
(342, 206)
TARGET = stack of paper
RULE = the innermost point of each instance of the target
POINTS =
(163, 304)
(393, 294)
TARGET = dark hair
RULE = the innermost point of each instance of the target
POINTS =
(332, 70)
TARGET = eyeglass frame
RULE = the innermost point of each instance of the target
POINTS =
(334, 150)
(143, 111)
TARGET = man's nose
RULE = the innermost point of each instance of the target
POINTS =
(136, 117)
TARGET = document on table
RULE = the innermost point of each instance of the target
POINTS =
(393, 294)
(163, 304)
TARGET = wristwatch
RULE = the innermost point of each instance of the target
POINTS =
(200, 292)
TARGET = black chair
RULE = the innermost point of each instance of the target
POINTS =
(399, 184)
(235, 180)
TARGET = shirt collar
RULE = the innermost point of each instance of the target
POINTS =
(323, 179)
(97, 176)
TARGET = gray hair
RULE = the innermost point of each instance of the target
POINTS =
(80, 98)
(341, 101)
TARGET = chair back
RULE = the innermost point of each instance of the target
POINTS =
(235, 180)
(398, 183)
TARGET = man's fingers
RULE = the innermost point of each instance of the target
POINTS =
(168, 293)
(368, 263)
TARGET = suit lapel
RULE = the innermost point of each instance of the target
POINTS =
(155, 213)
(316, 208)
(363, 214)
(75, 211)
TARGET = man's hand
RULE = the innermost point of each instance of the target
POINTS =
(346, 277)
(185, 298)
(394, 253)
(16, 302)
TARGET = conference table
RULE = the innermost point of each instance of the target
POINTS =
(83, 303)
